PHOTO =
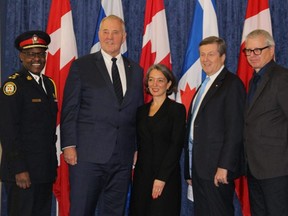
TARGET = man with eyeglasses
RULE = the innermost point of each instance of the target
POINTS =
(266, 128)
(28, 111)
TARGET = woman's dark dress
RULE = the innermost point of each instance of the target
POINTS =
(160, 142)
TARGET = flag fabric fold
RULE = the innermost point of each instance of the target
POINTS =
(257, 17)
(107, 8)
(155, 45)
(62, 51)
(204, 25)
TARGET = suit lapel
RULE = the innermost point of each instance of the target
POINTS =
(213, 88)
(129, 78)
(101, 67)
(259, 89)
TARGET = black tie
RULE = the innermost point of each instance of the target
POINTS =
(253, 87)
(116, 81)
(40, 81)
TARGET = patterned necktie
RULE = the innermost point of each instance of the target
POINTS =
(117, 81)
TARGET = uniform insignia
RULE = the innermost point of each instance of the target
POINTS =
(29, 78)
(35, 39)
(9, 88)
(36, 100)
(13, 76)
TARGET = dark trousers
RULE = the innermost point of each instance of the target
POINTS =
(210, 200)
(268, 197)
(34, 201)
(89, 181)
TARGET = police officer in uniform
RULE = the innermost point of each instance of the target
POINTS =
(28, 111)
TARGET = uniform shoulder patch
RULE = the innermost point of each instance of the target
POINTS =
(9, 88)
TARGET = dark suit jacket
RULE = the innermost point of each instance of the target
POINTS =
(218, 129)
(266, 125)
(165, 138)
(92, 119)
(160, 143)
(28, 128)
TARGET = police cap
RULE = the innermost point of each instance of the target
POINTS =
(32, 39)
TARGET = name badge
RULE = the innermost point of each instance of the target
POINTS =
(36, 100)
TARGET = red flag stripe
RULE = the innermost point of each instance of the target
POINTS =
(254, 7)
(155, 48)
(155, 6)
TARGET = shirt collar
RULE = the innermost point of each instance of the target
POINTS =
(264, 69)
(108, 57)
(36, 77)
(214, 76)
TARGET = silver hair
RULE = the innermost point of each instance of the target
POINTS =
(260, 32)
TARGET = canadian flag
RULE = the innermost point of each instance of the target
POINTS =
(257, 17)
(62, 52)
(155, 45)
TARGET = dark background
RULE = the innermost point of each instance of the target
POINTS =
(22, 15)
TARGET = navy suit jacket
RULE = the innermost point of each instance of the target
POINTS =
(92, 119)
(218, 129)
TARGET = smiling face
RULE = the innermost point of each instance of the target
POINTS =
(33, 59)
(259, 61)
(158, 83)
(210, 58)
(112, 35)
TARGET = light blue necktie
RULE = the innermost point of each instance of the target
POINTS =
(193, 112)
(199, 95)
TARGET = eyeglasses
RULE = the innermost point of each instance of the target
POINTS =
(256, 51)
(33, 55)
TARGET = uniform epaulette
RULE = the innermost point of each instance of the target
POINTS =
(14, 76)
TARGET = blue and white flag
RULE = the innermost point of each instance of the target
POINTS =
(107, 8)
(204, 25)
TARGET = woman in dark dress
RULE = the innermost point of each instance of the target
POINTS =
(160, 128)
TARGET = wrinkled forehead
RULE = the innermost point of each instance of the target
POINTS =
(112, 24)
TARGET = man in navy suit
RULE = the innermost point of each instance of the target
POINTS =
(98, 131)
(266, 128)
(214, 138)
